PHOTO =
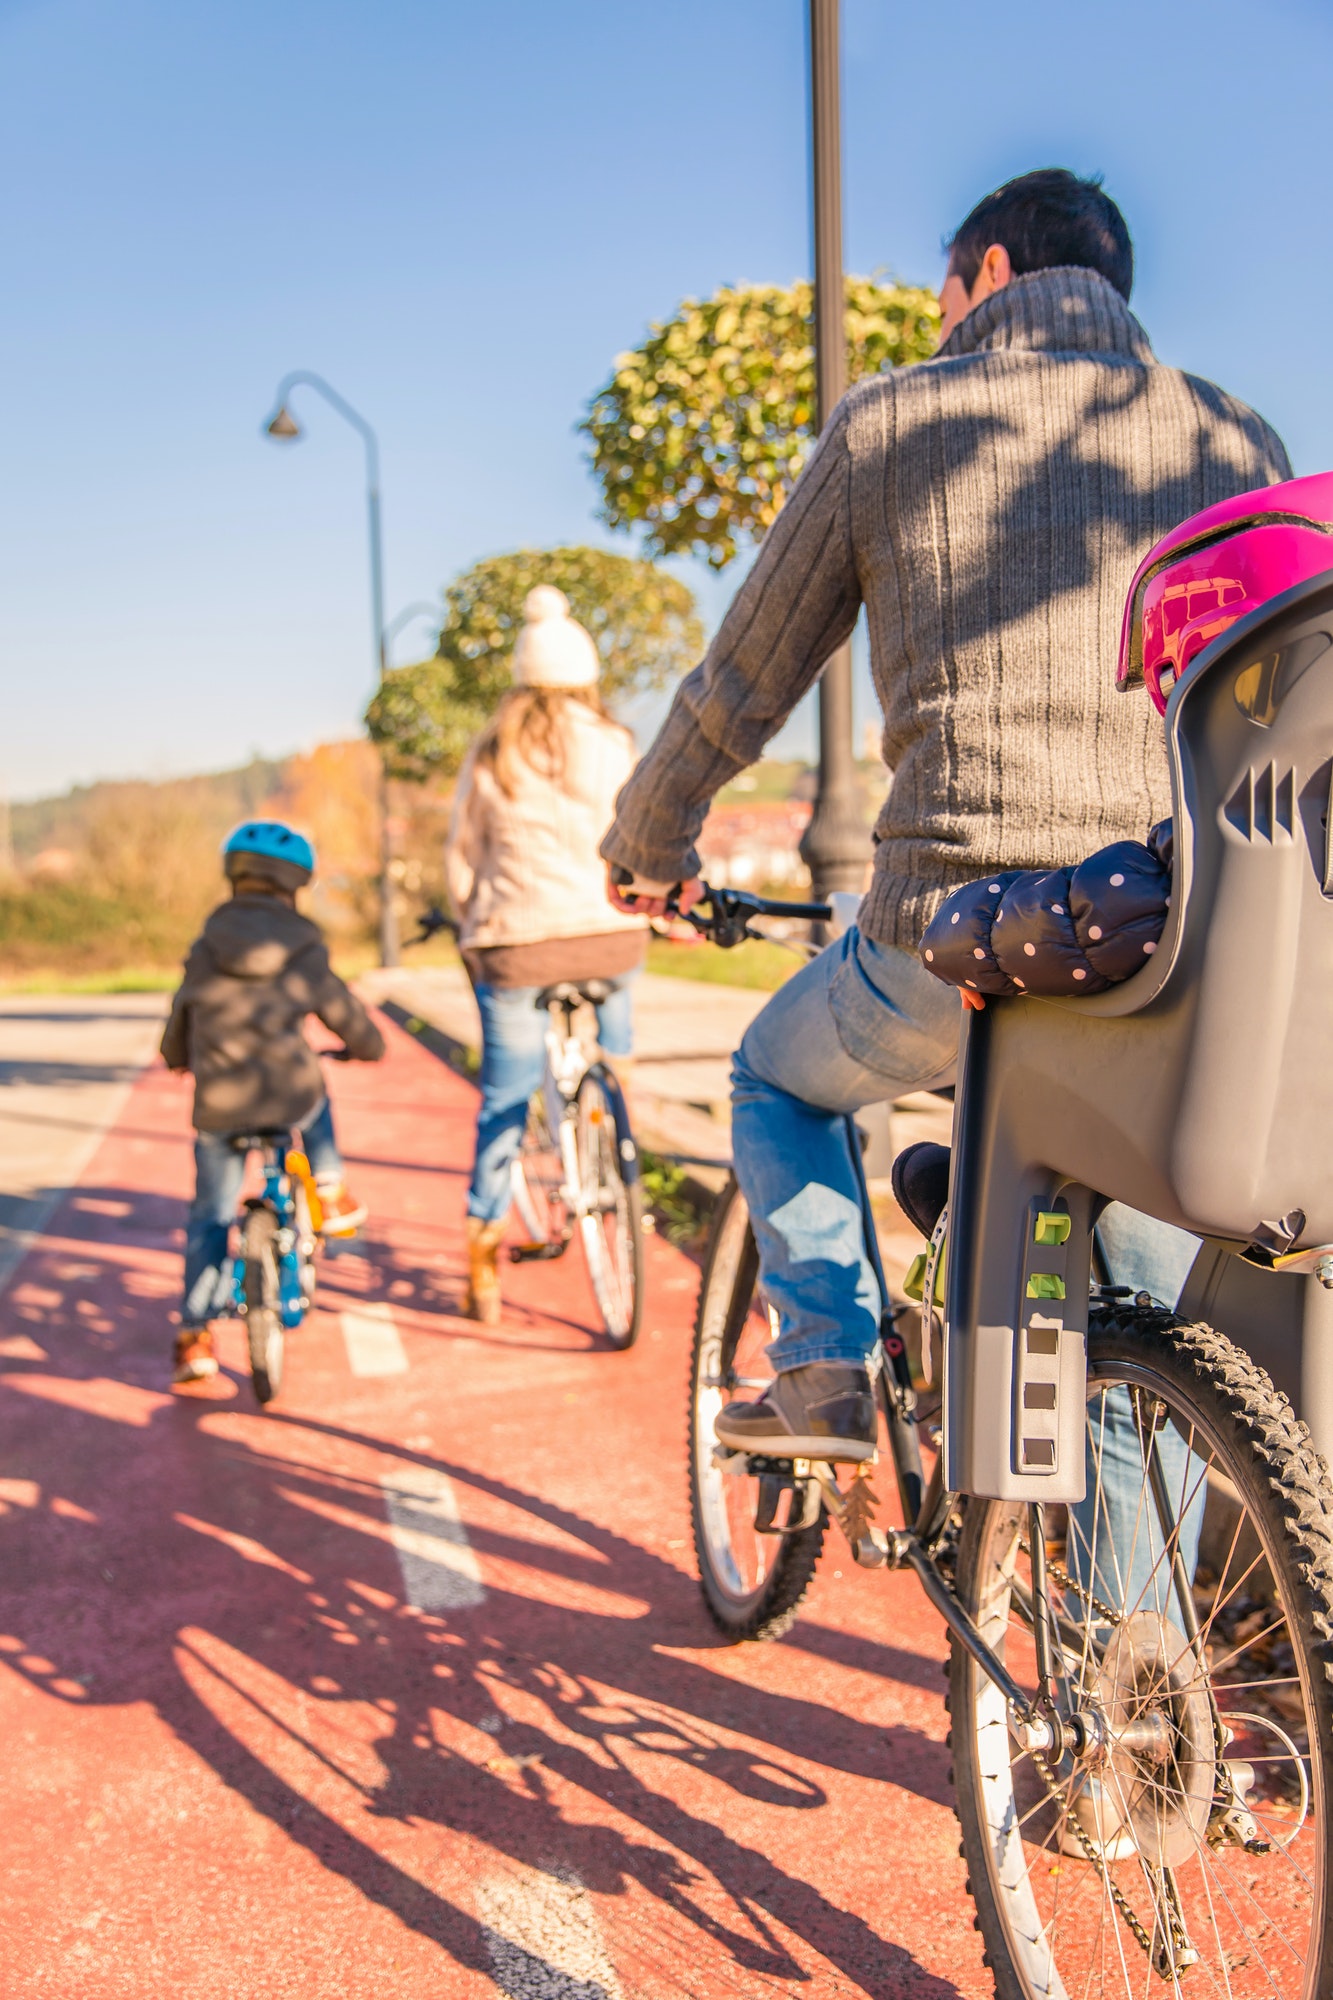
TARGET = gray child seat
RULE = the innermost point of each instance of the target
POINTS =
(1199, 1091)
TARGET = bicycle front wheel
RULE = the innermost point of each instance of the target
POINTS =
(263, 1320)
(753, 1582)
(1190, 1607)
(611, 1223)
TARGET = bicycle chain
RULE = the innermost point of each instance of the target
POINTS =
(1121, 1902)
(1066, 1582)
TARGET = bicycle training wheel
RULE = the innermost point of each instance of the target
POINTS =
(539, 1185)
(263, 1321)
(752, 1583)
(1191, 1608)
(611, 1225)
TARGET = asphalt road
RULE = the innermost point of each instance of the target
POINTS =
(404, 1687)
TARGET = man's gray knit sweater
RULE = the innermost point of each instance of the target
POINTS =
(988, 508)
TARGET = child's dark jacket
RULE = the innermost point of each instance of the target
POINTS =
(1056, 932)
(250, 980)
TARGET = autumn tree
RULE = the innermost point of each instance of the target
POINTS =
(700, 433)
(642, 621)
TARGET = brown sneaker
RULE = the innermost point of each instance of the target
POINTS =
(481, 1300)
(343, 1213)
(195, 1359)
(824, 1410)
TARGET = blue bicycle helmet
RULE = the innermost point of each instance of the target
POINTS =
(268, 848)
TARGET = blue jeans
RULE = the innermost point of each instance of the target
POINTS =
(513, 1062)
(219, 1173)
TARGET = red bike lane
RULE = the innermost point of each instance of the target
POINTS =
(404, 1686)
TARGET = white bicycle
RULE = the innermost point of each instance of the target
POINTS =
(577, 1171)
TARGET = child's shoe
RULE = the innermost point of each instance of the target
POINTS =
(195, 1359)
(343, 1213)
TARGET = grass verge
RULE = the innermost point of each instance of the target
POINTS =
(759, 965)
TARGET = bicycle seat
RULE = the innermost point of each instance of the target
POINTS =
(251, 1142)
(574, 993)
(1199, 1091)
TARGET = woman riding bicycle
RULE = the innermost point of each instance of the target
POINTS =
(535, 796)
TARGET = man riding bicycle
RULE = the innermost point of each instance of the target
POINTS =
(987, 509)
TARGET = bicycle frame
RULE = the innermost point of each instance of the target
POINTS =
(284, 1168)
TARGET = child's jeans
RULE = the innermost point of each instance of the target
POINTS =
(219, 1172)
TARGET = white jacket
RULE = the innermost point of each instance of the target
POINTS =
(524, 869)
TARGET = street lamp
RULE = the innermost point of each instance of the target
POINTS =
(834, 844)
(283, 426)
(421, 608)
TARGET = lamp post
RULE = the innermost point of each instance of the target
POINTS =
(421, 607)
(834, 846)
(282, 426)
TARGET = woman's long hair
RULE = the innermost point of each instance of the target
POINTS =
(531, 726)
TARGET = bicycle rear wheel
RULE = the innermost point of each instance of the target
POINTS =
(1191, 1600)
(611, 1226)
(753, 1583)
(263, 1320)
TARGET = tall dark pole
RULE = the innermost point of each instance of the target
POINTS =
(283, 426)
(835, 848)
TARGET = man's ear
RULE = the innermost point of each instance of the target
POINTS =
(995, 273)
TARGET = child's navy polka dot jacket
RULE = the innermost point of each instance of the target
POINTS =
(1059, 931)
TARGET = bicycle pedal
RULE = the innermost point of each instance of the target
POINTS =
(531, 1253)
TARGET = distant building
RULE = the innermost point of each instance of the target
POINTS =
(756, 845)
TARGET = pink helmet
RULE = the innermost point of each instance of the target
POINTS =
(1217, 567)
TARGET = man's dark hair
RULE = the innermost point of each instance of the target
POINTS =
(1045, 218)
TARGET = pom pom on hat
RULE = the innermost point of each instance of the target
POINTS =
(553, 649)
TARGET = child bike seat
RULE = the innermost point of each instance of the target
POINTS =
(1199, 1091)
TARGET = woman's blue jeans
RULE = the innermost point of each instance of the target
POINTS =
(513, 1062)
(859, 1024)
(219, 1174)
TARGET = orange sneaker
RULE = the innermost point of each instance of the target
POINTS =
(195, 1359)
(343, 1213)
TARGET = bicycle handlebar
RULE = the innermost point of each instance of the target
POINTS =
(431, 924)
(727, 920)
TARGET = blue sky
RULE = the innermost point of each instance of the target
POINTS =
(460, 214)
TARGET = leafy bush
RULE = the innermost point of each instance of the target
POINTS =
(700, 433)
(425, 717)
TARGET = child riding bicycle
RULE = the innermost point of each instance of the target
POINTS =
(258, 968)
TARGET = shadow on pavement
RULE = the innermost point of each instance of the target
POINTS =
(234, 1571)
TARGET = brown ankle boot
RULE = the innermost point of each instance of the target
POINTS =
(481, 1300)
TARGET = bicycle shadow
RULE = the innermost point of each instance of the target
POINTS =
(616, 1752)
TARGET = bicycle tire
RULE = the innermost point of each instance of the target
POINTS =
(752, 1584)
(1050, 1921)
(264, 1331)
(611, 1229)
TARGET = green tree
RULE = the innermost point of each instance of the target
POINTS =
(642, 621)
(701, 431)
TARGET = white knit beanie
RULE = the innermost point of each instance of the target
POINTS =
(553, 650)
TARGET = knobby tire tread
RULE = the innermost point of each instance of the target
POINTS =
(1284, 1479)
(777, 1607)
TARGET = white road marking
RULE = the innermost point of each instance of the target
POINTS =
(374, 1346)
(439, 1566)
(543, 1937)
